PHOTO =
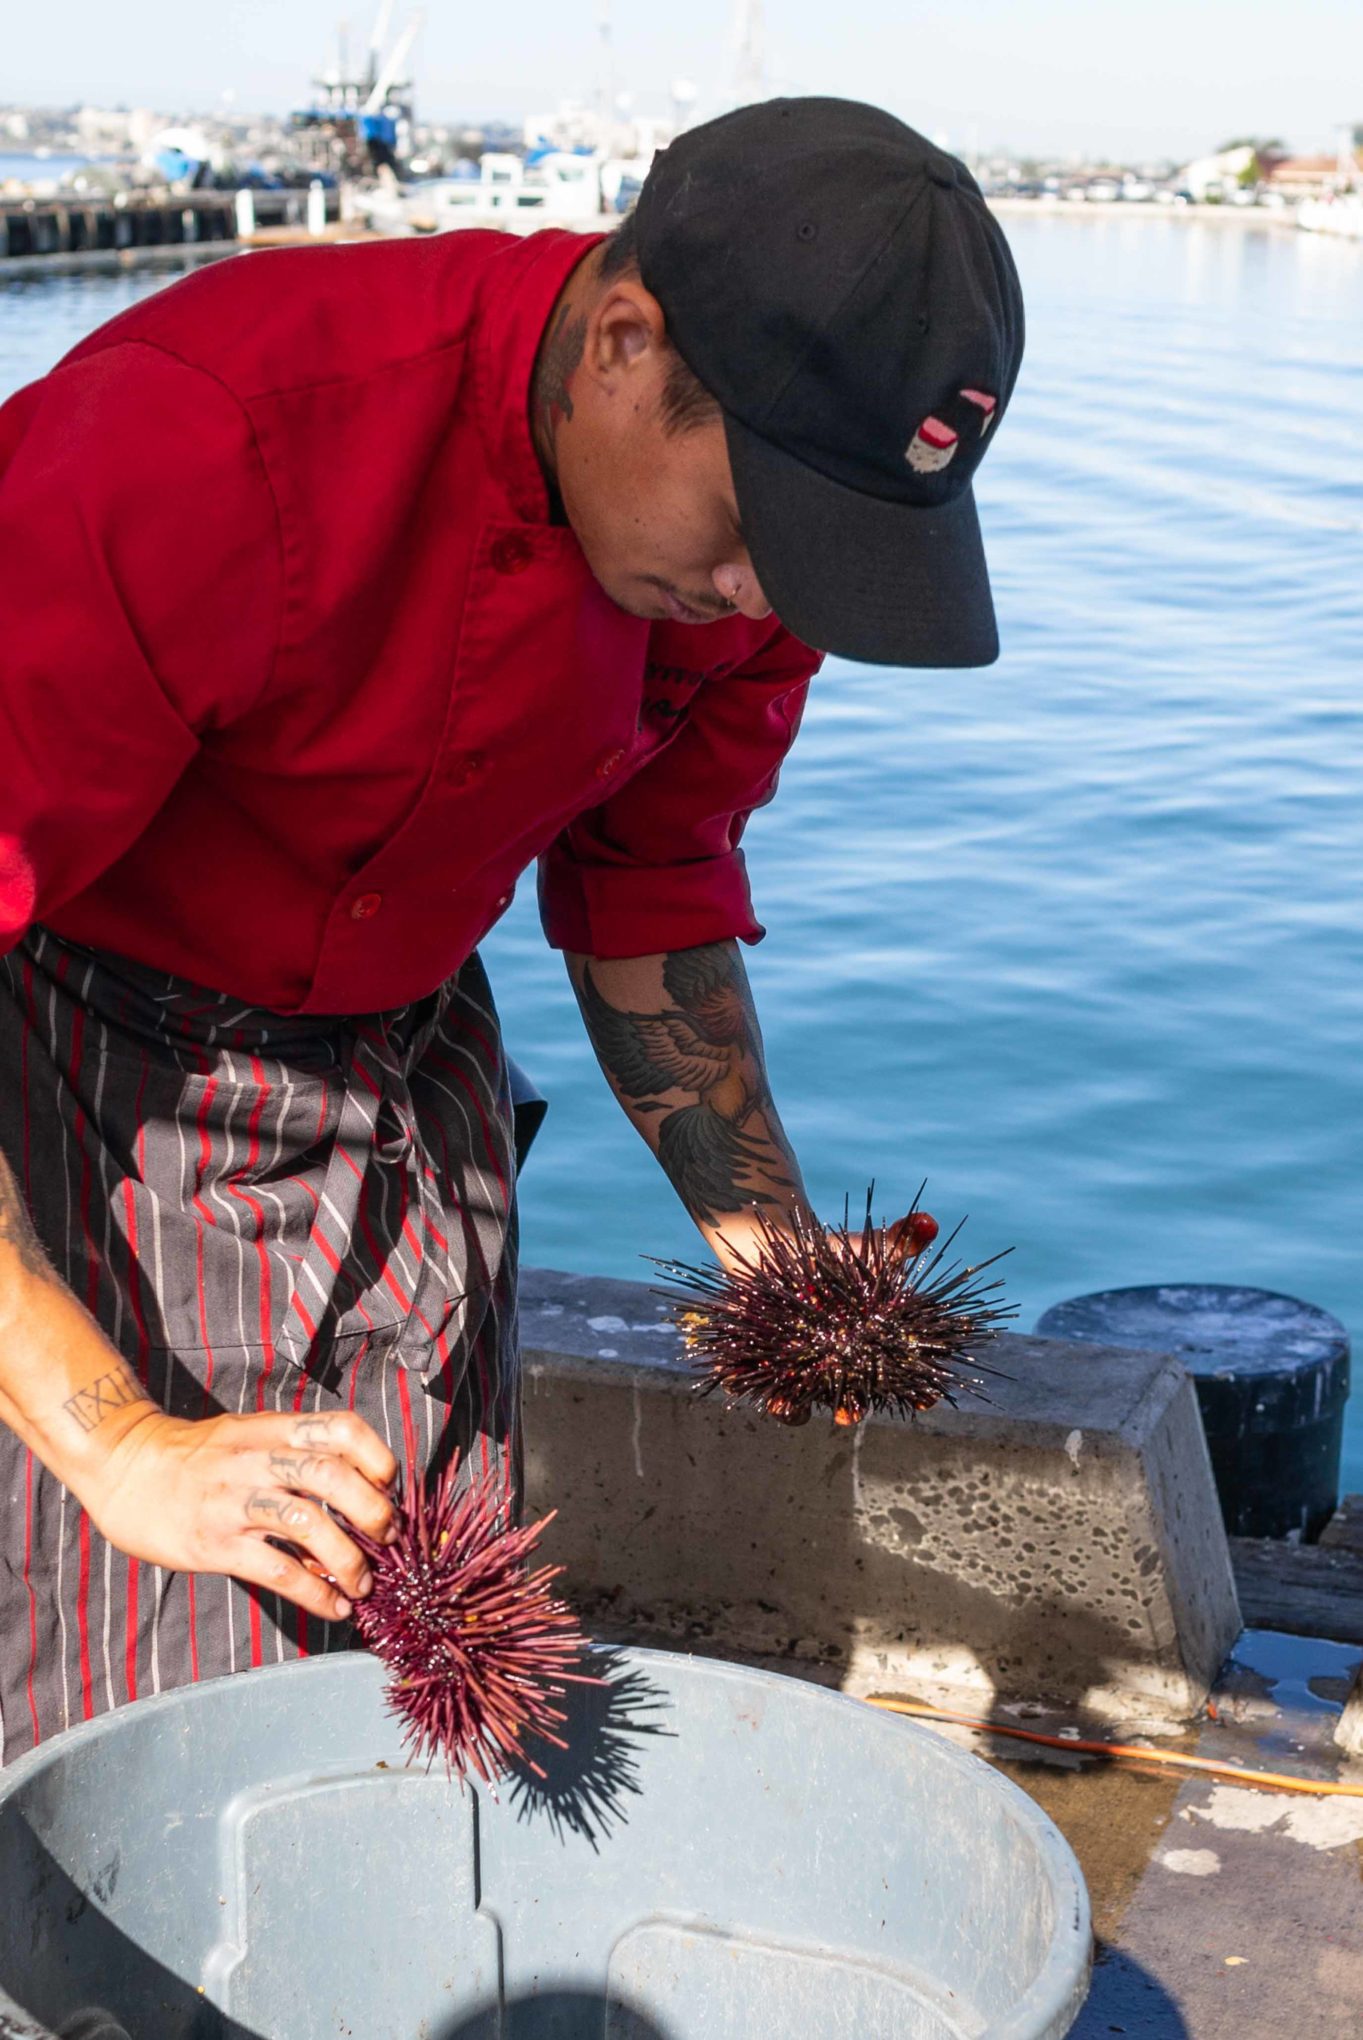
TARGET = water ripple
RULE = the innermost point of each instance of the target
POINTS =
(1080, 937)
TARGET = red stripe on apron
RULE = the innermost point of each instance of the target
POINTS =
(381, 1187)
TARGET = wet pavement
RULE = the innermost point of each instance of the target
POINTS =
(1221, 1912)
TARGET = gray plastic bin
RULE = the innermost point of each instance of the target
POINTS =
(721, 1855)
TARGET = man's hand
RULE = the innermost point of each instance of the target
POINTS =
(209, 1496)
(739, 1246)
(217, 1496)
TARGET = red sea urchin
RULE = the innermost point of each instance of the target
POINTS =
(478, 1646)
(822, 1318)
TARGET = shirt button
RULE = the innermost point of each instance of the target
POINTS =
(611, 762)
(463, 771)
(366, 906)
(511, 554)
(505, 900)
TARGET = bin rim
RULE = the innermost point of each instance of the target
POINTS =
(1059, 1986)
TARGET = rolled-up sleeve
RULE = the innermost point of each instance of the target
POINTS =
(658, 866)
(139, 598)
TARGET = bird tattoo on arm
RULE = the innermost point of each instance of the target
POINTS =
(697, 1064)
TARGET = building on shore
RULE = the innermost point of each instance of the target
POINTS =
(1298, 177)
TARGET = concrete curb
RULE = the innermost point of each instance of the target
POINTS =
(1061, 1542)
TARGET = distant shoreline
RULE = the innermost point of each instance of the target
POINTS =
(1126, 209)
(169, 255)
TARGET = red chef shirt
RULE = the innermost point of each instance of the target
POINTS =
(296, 675)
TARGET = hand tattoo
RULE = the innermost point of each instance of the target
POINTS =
(311, 1432)
(113, 1391)
(723, 1149)
(301, 1470)
(266, 1505)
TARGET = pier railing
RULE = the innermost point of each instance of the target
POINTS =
(33, 228)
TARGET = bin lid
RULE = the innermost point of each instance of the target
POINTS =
(1213, 1327)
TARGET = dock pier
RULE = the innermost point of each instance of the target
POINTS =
(45, 234)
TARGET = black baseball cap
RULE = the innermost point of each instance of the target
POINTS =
(840, 286)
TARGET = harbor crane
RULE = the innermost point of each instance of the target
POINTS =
(360, 121)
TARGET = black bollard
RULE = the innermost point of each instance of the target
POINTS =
(1272, 1378)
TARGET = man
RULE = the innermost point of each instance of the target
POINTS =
(340, 585)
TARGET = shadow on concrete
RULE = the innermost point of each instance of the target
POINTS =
(805, 1584)
(1126, 1999)
(1017, 1549)
(585, 1789)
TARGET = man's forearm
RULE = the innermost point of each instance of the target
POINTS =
(64, 1388)
(677, 1037)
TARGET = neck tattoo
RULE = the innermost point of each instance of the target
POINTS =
(551, 399)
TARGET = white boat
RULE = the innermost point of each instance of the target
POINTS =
(567, 187)
(1339, 212)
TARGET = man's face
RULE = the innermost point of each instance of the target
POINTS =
(653, 509)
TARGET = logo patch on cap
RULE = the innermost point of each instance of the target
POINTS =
(932, 447)
(986, 404)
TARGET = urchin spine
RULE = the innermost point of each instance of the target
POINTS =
(478, 1646)
(815, 1317)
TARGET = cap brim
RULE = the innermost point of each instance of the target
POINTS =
(859, 576)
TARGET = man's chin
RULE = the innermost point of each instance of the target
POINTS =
(652, 605)
(677, 611)
(648, 607)
(644, 603)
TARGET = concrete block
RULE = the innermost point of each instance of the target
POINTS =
(1349, 1727)
(1061, 1542)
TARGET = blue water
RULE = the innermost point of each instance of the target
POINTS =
(1080, 938)
(30, 169)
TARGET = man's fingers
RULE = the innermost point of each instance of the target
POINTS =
(264, 1565)
(200, 1497)
(348, 1436)
(334, 1481)
(306, 1524)
(912, 1234)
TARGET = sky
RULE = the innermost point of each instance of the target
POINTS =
(1161, 77)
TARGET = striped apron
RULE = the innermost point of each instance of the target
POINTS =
(263, 1213)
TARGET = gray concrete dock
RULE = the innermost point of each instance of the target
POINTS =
(1222, 1912)
(1061, 1540)
(1053, 1560)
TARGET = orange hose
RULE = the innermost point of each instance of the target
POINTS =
(1267, 1781)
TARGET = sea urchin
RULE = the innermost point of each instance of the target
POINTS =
(478, 1646)
(822, 1318)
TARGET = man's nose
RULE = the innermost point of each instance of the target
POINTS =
(738, 584)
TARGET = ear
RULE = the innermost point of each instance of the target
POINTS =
(626, 328)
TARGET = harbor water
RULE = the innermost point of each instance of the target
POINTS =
(1078, 938)
(39, 171)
